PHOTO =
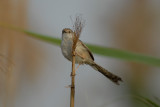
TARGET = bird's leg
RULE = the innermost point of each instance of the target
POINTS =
(77, 67)
(78, 64)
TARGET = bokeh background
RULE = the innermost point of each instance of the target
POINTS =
(34, 73)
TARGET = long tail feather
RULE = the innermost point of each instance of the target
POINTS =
(106, 73)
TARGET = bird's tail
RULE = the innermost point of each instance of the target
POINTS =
(105, 72)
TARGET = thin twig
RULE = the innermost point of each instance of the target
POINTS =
(78, 26)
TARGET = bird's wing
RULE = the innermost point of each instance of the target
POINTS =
(90, 53)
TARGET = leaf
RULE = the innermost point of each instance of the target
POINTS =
(104, 51)
(125, 55)
(100, 50)
(45, 38)
(146, 101)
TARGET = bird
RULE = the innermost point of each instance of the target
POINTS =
(83, 55)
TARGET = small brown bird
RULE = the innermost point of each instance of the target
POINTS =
(83, 54)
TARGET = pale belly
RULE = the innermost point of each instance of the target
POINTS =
(66, 47)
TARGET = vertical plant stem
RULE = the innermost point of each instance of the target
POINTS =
(72, 80)
(73, 72)
(78, 25)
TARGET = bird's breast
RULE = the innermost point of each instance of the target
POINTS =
(66, 47)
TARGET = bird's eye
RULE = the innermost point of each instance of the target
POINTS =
(69, 31)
